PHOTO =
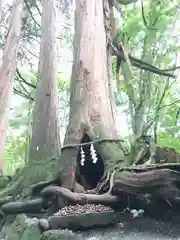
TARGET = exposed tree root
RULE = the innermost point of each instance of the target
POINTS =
(13, 189)
(38, 187)
(148, 178)
(161, 181)
(5, 200)
(4, 180)
(33, 206)
(28, 176)
(79, 198)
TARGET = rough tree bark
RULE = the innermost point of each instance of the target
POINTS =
(7, 71)
(45, 141)
(90, 96)
(1, 50)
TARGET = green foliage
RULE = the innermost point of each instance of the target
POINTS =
(31, 21)
(168, 119)
(168, 140)
(21, 116)
(63, 82)
(20, 121)
(19, 125)
(145, 37)
(14, 156)
(17, 140)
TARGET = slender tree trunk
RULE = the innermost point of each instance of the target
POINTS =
(90, 96)
(1, 3)
(1, 52)
(45, 142)
(7, 71)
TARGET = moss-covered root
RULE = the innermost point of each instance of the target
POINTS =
(33, 206)
(23, 228)
(38, 187)
(31, 174)
(79, 198)
(5, 200)
(4, 180)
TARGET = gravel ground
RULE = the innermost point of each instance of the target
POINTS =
(137, 229)
(117, 235)
(140, 229)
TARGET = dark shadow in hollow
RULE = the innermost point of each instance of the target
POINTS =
(89, 174)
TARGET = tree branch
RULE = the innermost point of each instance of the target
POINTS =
(170, 104)
(28, 94)
(144, 19)
(125, 2)
(27, 83)
(22, 94)
(29, 10)
(141, 64)
(36, 6)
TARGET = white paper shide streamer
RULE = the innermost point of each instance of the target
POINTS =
(82, 157)
(93, 154)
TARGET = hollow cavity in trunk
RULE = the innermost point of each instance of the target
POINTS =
(89, 172)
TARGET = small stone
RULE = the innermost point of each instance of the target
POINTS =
(44, 224)
(78, 209)
(120, 225)
(59, 235)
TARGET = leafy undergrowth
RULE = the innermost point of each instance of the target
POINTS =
(30, 174)
(167, 155)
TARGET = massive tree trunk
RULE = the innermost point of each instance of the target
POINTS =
(45, 141)
(1, 51)
(91, 115)
(7, 71)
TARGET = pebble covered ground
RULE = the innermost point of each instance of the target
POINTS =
(78, 209)
(147, 229)
(118, 235)
(138, 229)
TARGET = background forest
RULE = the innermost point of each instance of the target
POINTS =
(145, 103)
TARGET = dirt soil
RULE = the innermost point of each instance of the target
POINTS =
(139, 229)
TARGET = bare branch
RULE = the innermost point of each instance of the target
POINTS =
(22, 94)
(27, 83)
(141, 64)
(36, 6)
(26, 92)
(171, 69)
(33, 54)
(125, 2)
(170, 104)
(29, 10)
(144, 19)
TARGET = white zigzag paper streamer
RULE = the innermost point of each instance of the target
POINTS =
(93, 154)
(82, 157)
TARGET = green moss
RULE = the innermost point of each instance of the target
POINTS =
(24, 229)
(29, 175)
(4, 181)
(59, 234)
